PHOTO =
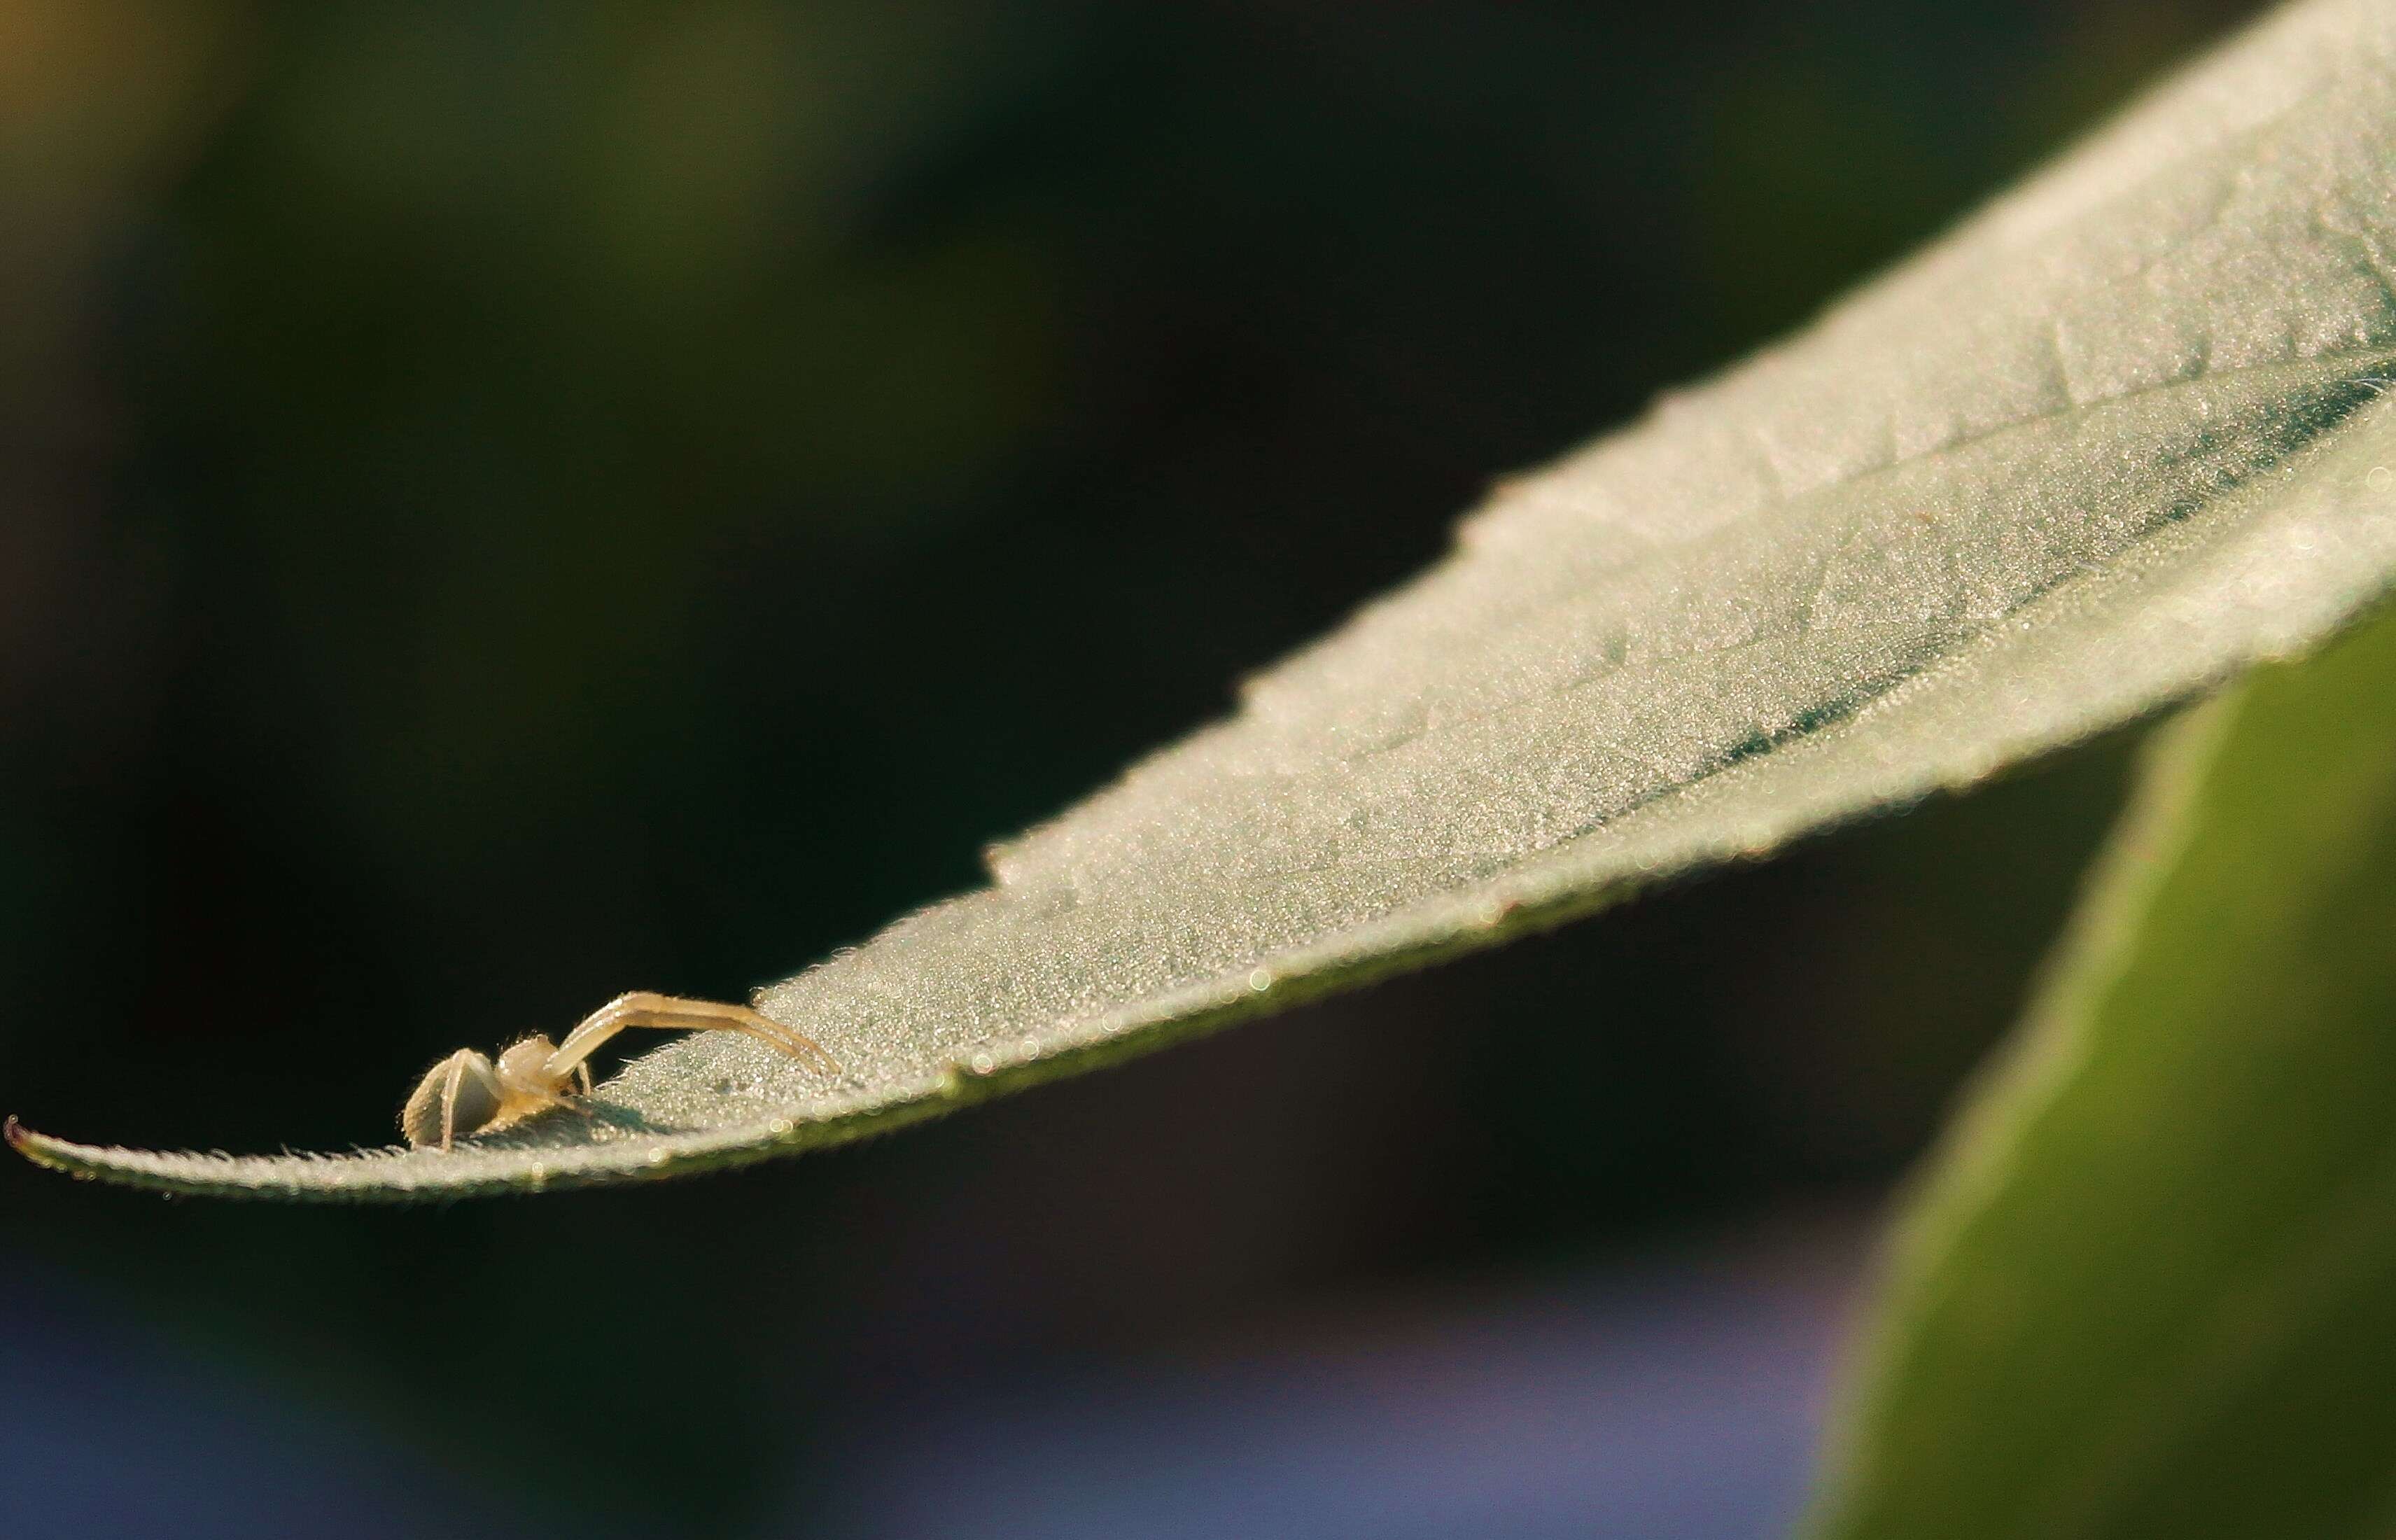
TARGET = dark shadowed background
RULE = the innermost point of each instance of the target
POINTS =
(502, 503)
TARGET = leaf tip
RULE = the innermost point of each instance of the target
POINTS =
(40, 1148)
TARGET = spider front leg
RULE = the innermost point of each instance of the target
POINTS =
(673, 1013)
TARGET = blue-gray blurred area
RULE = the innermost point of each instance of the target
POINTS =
(504, 503)
(1675, 1395)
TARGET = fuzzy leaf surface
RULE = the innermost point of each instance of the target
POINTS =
(2113, 440)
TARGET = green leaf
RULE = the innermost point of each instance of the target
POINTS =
(2105, 444)
(2150, 1288)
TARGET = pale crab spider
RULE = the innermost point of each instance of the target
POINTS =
(467, 1094)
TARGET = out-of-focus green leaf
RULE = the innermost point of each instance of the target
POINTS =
(2150, 1288)
(2107, 443)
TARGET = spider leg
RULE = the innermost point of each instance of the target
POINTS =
(672, 1013)
(702, 1016)
(450, 1085)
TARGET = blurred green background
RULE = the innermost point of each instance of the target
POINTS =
(505, 503)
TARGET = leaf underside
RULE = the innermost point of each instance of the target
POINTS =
(2116, 437)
